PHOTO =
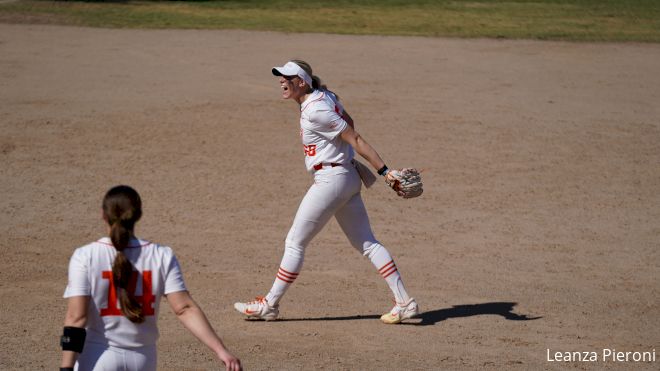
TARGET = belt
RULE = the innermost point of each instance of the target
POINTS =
(320, 165)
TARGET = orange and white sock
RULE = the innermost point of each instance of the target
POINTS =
(289, 269)
(383, 261)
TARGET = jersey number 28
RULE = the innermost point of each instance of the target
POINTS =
(310, 150)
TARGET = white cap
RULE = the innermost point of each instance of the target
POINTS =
(292, 69)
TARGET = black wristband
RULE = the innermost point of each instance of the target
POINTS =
(382, 170)
(73, 339)
(66, 368)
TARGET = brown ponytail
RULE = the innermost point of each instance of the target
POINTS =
(316, 81)
(122, 208)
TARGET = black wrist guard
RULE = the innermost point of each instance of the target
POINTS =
(382, 170)
(66, 368)
(73, 339)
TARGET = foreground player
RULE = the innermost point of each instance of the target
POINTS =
(328, 139)
(114, 292)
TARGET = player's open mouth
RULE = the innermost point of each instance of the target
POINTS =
(285, 87)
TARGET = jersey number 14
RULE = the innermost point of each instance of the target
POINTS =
(147, 298)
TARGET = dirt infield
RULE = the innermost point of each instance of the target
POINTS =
(538, 231)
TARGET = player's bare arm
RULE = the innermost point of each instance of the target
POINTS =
(361, 146)
(76, 316)
(407, 183)
(194, 319)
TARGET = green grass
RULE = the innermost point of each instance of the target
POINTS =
(576, 20)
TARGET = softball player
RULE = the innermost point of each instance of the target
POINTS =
(329, 140)
(114, 292)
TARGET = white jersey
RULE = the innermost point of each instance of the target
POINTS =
(90, 274)
(320, 126)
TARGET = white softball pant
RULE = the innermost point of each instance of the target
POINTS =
(99, 357)
(336, 191)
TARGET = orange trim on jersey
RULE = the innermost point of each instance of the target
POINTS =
(310, 102)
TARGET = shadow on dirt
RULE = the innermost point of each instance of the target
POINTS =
(504, 309)
(347, 318)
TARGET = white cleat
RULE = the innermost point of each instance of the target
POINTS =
(400, 312)
(258, 309)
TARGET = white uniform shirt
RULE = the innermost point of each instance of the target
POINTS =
(90, 274)
(320, 126)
